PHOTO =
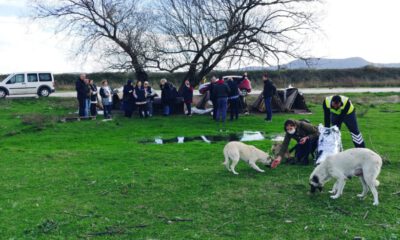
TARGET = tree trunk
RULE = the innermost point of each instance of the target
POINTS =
(141, 75)
(191, 76)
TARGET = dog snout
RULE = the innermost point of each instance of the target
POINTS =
(312, 188)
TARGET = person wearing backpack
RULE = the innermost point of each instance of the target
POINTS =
(268, 92)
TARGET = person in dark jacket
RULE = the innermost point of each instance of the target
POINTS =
(187, 94)
(339, 109)
(93, 98)
(213, 100)
(306, 136)
(87, 97)
(80, 88)
(233, 98)
(268, 92)
(140, 99)
(220, 93)
(166, 96)
(128, 99)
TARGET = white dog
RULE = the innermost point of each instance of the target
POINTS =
(250, 154)
(329, 142)
(360, 162)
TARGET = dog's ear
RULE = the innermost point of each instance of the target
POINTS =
(315, 179)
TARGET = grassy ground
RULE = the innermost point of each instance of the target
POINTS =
(94, 180)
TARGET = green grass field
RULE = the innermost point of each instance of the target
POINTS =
(93, 179)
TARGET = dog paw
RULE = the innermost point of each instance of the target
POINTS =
(375, 203)
(262, 171)
(236, 173)
(334, 196)
(332, 192)
(360, 195)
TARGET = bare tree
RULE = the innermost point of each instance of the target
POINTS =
(199, 35)
(116, 28)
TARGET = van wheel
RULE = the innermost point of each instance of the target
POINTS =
(44, 92)
(3, 93)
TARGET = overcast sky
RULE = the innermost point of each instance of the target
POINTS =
(352, 28)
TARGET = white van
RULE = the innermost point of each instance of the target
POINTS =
(40, 83)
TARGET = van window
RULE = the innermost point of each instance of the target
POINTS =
(45, 77)
(32, 77)
(19, 78)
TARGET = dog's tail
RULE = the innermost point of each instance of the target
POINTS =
(377, 183)
(226, 162)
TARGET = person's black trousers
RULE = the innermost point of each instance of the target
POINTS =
(128, 108)
(350, 121)
(234, 107)
(82, 105)
(93, 109)
(303, 151)
(142, 110)
(189, 108)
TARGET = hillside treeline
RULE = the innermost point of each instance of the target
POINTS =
(362, 77)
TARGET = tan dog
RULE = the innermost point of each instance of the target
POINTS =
(235, 151)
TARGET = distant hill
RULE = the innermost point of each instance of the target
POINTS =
(325, 63)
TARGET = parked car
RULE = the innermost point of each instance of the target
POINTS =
(40, 83)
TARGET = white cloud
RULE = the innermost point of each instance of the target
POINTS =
(361, 28)
(353, 28)
(27, 46)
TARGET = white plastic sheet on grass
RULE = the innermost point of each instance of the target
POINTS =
(205, 139)
(252, 136)
(278, 138)
(201, 111)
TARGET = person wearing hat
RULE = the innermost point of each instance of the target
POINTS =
(306, 136)
(128, 99)
(338, 109)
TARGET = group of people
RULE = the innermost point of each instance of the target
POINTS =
(141, 96)
(338, 109)
(223, 94)
(87, 97)
(138, 96)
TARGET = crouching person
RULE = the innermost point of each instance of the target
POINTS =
(339, 109)
(106, 98)
(306, 136)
